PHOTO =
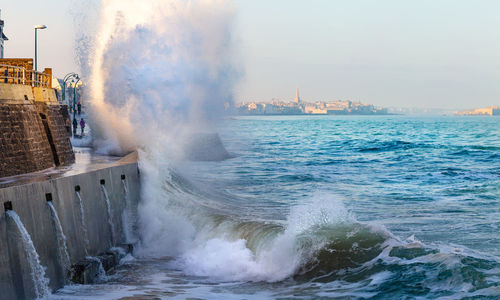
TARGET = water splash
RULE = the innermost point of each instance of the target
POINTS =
(101, 275)
(110, 214)
(177, 74)
(224, 252)
(61, 239)
(205, 242)
(83, 223)
(40, 281)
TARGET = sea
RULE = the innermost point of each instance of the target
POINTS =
(320, 207)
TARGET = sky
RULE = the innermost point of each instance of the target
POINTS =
(392, 53)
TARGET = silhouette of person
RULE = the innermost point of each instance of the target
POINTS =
(82, 124)
(75, 126)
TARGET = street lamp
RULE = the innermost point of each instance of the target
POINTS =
(74, 97)
(66, 78)
(36, 69)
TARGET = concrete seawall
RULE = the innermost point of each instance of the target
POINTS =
(29, 201)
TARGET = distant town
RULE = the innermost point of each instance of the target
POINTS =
(488, 111)
(345, 107)
(298, 107)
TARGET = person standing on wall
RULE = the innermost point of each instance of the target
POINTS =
(82, 125)
(75, 126)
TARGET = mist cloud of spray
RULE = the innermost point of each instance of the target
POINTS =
(159, 68)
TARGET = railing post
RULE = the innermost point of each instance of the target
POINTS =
(19, 75)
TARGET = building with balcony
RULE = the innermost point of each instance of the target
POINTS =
(34, 127)
(2, 35)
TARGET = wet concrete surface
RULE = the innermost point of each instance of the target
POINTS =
(86, 160)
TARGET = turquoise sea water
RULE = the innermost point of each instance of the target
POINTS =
(437, 178)
(382, 207)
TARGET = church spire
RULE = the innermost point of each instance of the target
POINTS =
(297, 98)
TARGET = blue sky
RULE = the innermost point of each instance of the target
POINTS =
(438, 53)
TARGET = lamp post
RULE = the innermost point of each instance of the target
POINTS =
(74, 97)
(66, 78)
(36, 69)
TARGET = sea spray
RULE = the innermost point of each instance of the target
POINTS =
(109, 213)
(276, 255)
(40, 281)
(83, 223)
(61, 239)
(175, 77)
(204, 242)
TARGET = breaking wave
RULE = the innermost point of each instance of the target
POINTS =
(164, 71)
(319, 241)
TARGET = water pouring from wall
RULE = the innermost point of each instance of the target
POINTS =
(61, 240)
(82, 220)
(127, 215)
(109, 213)
(37, 271)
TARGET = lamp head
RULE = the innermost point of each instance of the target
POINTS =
(40, 26)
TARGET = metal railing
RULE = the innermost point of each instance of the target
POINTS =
(19, 75)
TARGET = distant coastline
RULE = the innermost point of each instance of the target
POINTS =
(297, 107)
(488, 111)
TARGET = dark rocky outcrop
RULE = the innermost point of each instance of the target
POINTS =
(205, 147)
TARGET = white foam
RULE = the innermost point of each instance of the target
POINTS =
(219, 252)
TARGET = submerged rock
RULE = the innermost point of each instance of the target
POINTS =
(90, 269)
(86, 271)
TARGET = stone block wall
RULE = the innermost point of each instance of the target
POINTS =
(60, 135)
(24, 142)
(24, 146)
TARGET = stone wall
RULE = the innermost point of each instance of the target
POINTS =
(60, 135)
(24, 141)
(23, 144)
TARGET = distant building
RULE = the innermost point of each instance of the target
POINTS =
(298, 107)
(2, 35)
(488, 111)
(297, 97)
